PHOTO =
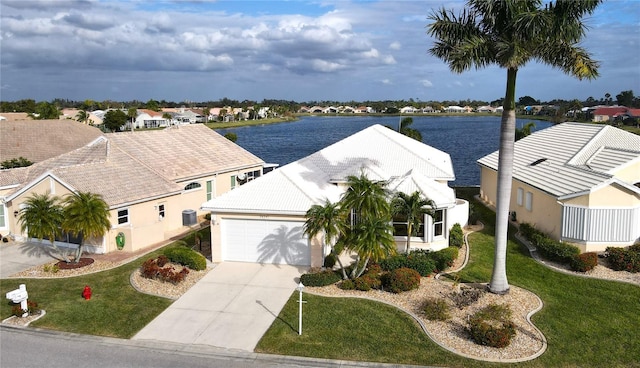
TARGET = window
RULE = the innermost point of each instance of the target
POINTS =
(438, 223)
(253, 175)
(161, 211)
(400, 226)
(519, 196)
(209, 190)
(528, 201)
(233, 182)
(3, 221)
(123, 216)
(192, 186)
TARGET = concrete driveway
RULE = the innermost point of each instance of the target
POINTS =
(231, 307)
(19, 256)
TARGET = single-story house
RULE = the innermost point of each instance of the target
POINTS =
(608, 113)
(262, 221)
(153, 181)
(579, 183)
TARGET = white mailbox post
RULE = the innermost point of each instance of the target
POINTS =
(20, 296)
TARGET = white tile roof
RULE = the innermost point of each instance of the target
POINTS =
(575, 157)
(379, 152)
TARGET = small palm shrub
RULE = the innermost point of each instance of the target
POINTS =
(584, 262)
(456, 236)
(492, 326)
(621, 259)
(322, 278)
(402, 279)
(186, 257)
(436, 309)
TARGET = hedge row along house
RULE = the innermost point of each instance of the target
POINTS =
(580, 183)
(262, 221)
(153, 181)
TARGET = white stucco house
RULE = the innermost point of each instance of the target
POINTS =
(262, 221)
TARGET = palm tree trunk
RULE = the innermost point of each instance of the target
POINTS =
(364, 267)
(499, 284)
(409, 232)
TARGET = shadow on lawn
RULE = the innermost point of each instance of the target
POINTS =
(276, 316)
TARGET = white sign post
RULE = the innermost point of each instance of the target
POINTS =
(20, 295)
(300, 288)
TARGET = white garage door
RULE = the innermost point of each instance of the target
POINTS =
(264, 241)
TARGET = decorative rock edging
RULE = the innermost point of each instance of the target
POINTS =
(17, 321)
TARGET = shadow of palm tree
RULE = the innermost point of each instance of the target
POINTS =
(285, 246)
(37, 249)
(276, 316)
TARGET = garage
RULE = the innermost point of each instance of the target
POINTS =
(265, 241)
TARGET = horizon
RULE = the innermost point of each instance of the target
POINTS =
(275, 50)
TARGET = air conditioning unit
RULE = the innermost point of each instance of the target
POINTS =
(189, 217)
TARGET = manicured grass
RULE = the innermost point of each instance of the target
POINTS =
(241, 123)
(116, 309)
(587, 322)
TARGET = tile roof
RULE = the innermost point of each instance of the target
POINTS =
(570, 158)
(38, 140)
(377, 151)
(132, 167)
(182, 153)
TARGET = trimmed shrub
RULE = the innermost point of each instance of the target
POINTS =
(361, 284)
(527, 230)
(162, 260)
(436, 310)
(368, 281)
(584, 262)
(444, 258)
(347, 285)
(550, 249)
(329, 261)
(150, 269)
(402, 279)
(394, 262)
(322, 278)
(374, 268)
(456, 236)
(419, 260)
(621, 259)
(186, 257)
(32, 308)
(492, 326)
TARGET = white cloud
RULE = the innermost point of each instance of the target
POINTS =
(395, 45)
(426, 83)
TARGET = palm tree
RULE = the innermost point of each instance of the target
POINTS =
(42, 218)
(413, 208)
(365, 198)
(510, 33)
(82, 116)
(86, 215)
(372, 240)
(328, 219)
(132, 113)
(524, 131)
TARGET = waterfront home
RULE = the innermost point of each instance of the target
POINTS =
(579, 183)
(153, 181)
(262, 220)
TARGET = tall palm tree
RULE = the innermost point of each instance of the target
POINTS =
(86, 215)
(412, 208)
(328, 219)
(42, 218)
(510, 33)
(365, 198)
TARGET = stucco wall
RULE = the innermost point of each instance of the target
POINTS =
(488, 185)
(629, 174)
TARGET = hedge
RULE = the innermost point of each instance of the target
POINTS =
(186, 257)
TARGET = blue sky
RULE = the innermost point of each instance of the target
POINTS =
(292, 50)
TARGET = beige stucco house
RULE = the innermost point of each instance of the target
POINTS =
(152, 181)
(262, 221)
(577, 182)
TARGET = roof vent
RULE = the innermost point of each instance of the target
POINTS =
(538, 161)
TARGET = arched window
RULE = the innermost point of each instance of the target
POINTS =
(192, 186)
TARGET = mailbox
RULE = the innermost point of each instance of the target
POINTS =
(18, 295)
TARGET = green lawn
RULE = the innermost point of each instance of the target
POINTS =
(587, 322)
(116, 309)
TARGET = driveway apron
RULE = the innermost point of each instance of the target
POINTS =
(230, 307)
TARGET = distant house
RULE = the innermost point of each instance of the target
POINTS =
(262, 220)
(150, 119)
(153, 181)
(408, 110)
(486, 109)
(603, 114)
(457, 109)
(579, 183)
(427, 109)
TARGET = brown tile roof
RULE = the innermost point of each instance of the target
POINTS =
(184, 152)
(38, 140)
(132, 167)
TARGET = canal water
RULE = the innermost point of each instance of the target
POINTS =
(465, 138)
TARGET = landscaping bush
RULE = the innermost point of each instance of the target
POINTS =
(527, 230)
(150, 269)
(186, 257)
(550, 249)
(322, 278)
(456, 236)
(32, 308)
(436, 310)
(374, 268)
(162, 260)
(329, 261)
(347, 285)
(394, 262)
(361, 284)
(402, 279)
(368, 281)
(419, 260)
(444, 258)
(584, 262)
(621, 259)
(492, 326)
